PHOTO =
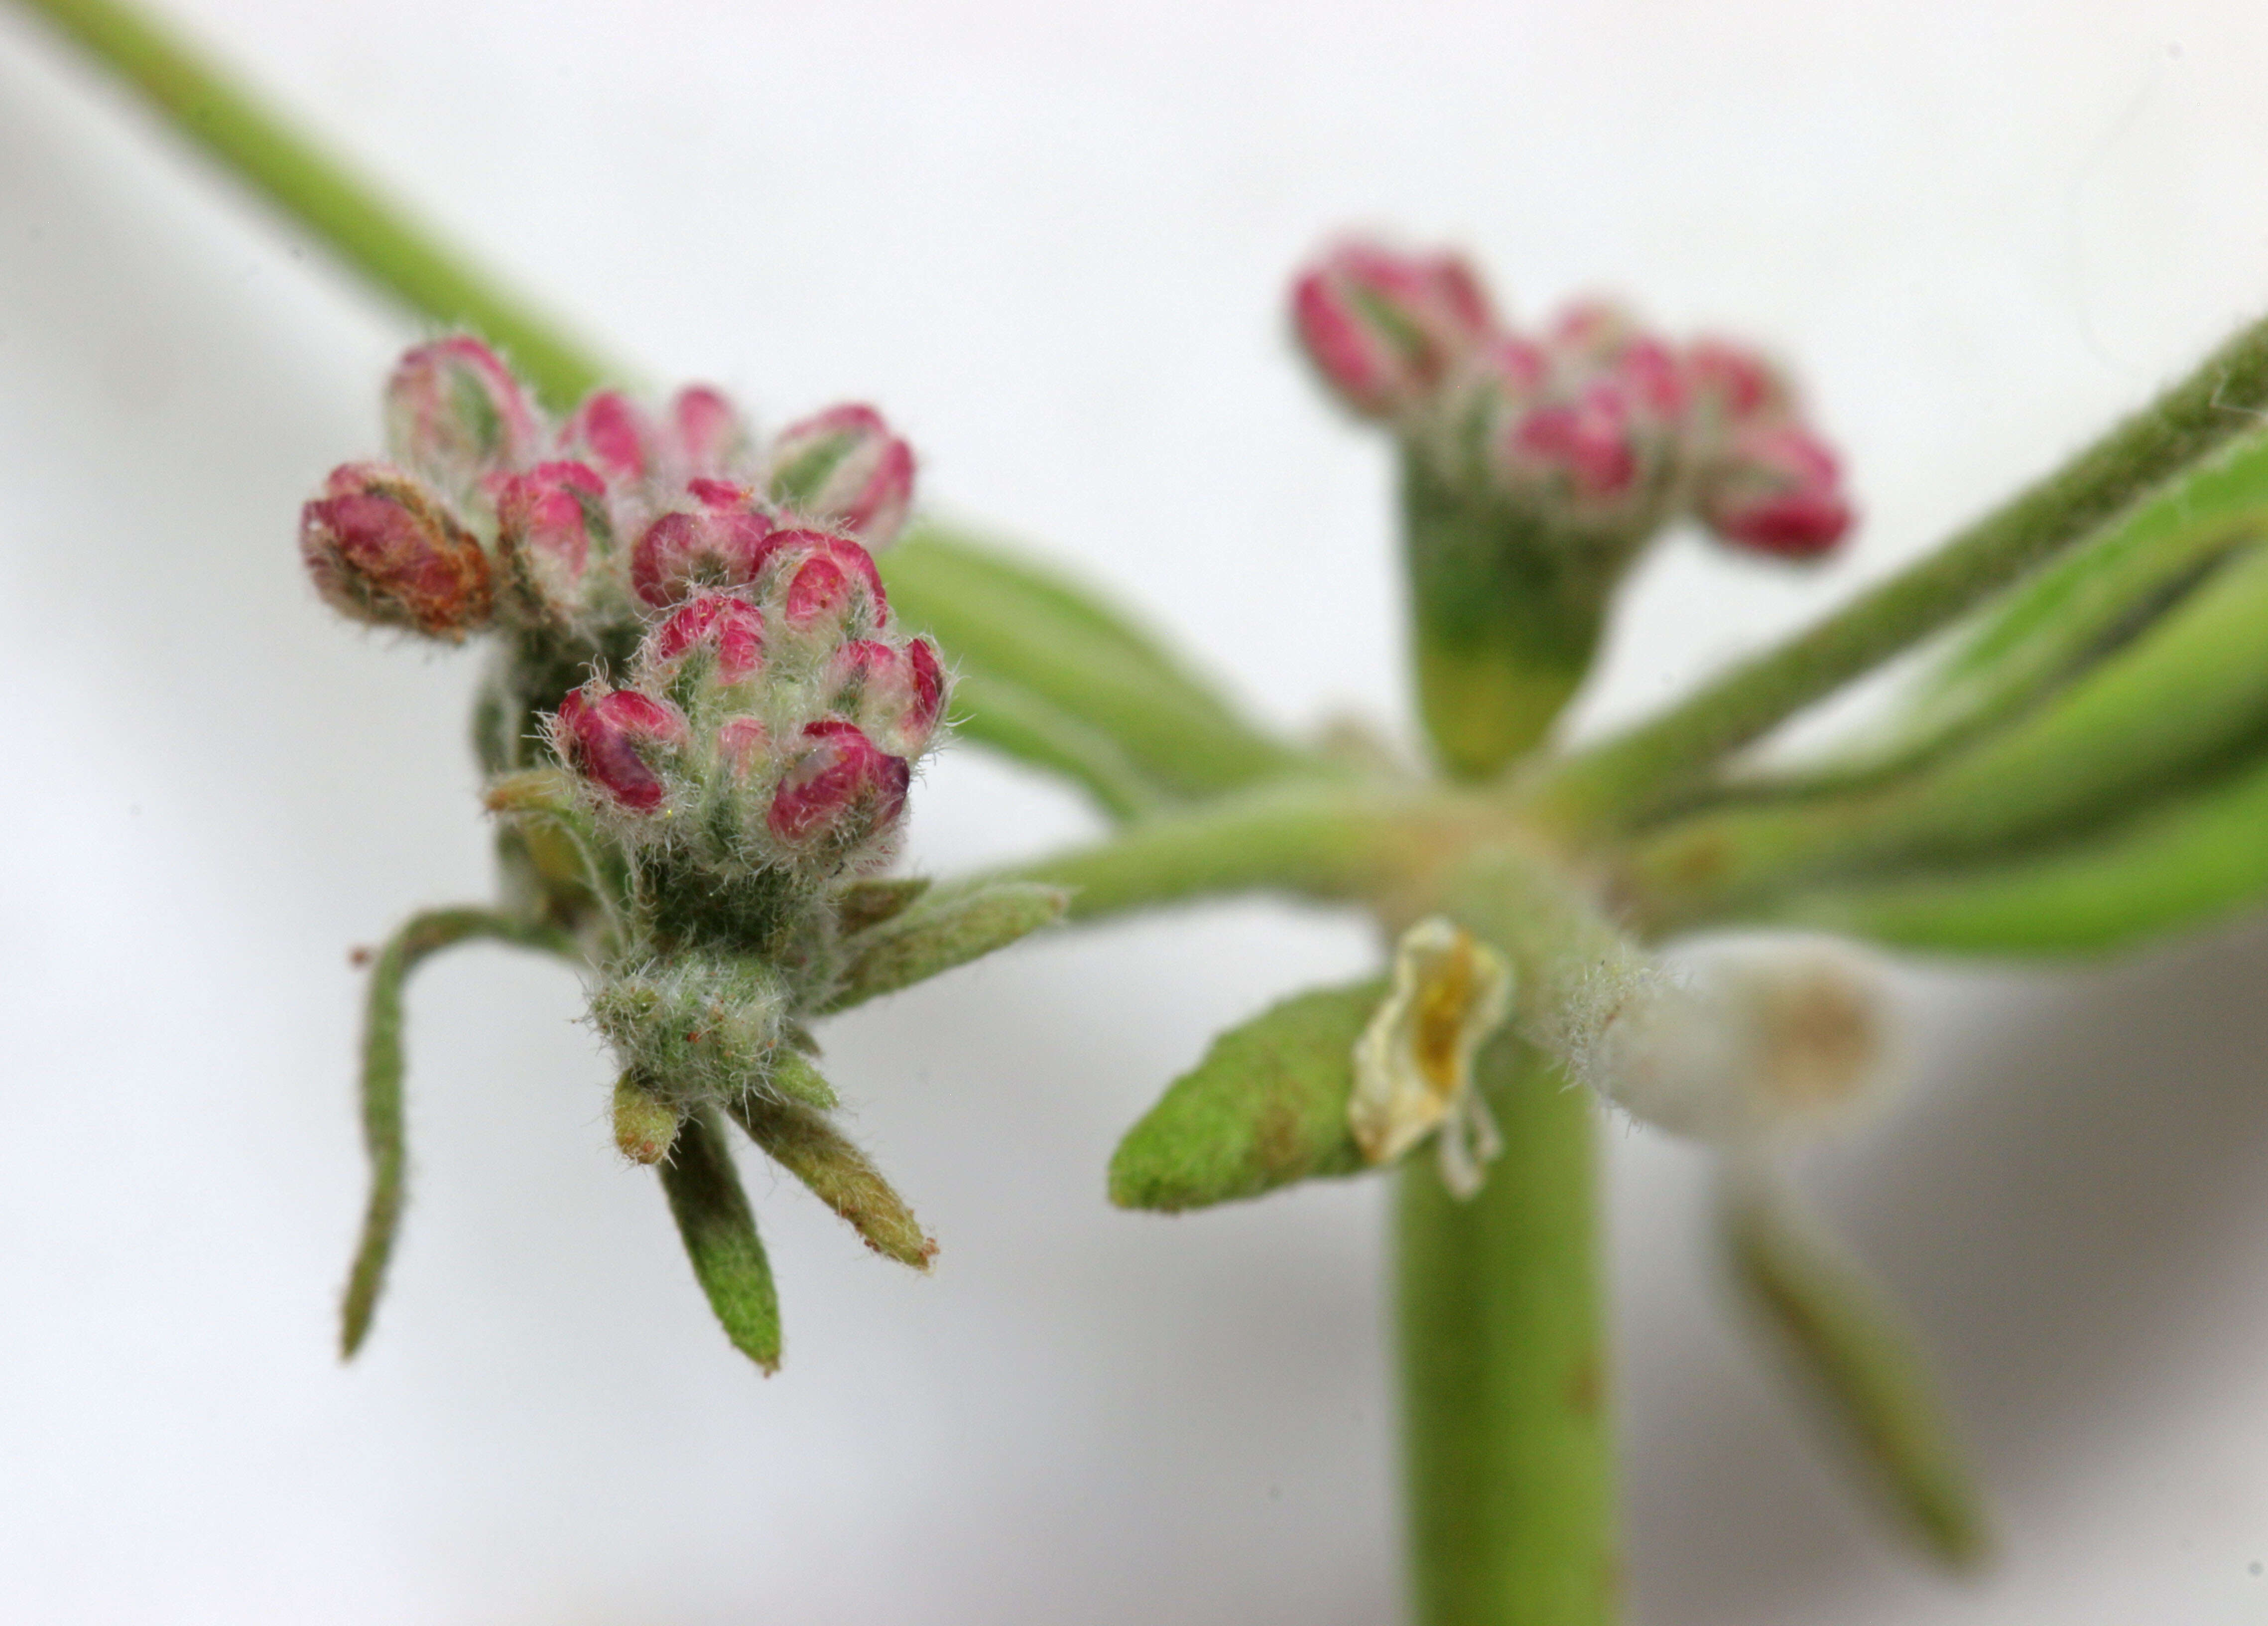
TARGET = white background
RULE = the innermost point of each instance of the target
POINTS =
(1050, 241)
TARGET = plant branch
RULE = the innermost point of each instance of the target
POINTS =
(365, 230)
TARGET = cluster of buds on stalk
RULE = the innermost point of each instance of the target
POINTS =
(1594, 426)
(1537, 465)
(701, 723)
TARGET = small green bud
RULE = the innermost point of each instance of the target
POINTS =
(644, 1127)
(1267, 1106)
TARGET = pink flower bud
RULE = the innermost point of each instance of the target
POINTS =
(727, 627)
(827, 580)
(1776, 488)
(894, 694)
(1583, 456)
(841, 785)
(382, 548)
(456, 414)
(546, 521)
(1732, 385)
(707, 436)
(604, 737)
(611, 433)
(844, 467)
(744, 742)
(719, 539)
(1385, 328)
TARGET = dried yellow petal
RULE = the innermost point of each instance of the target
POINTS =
(1413, 1065)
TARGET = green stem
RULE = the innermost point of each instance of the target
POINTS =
(420, 937)
(1506, 1439)
(1622, 778)
(1369, 844)
(359, 225)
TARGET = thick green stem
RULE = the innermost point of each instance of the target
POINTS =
(1505, 1425)
(1598, 788)
(365, 230)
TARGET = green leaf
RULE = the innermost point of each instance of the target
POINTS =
(1003, 622)
(802, 1141)
(384, 1136)
(2166, 715)
(995, 711)
(940, 934)
(1267, 1106)
(2176, 867)
(1850, 1347)
(720, 1236)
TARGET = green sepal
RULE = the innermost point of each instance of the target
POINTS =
(720, 1236)
(807, 1146)
(1848, 1346)
(1267, 1106)
(939, 933)
(1003, 620)
(862, 904)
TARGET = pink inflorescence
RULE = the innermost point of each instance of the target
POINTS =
(590, 525)
(1593, 426)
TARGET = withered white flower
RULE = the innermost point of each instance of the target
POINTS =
(1413, 1065)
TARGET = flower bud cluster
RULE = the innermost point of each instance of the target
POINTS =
(485, 513)
(774, 722)
(1594, 429)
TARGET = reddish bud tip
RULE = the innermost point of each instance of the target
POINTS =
(546, 521)
(841, 785)
(382, 548)
(456, 414)
(1579, 453)
(722, 540)
(1776, 488)
(1731, 385)
(728, 627)
(1385, 328)
(610, 433)
(706, 434)
(828, 578)
(894, 694)
(843, 466)
(604, 735)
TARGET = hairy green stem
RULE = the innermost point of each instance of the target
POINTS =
(1599, 788)
(1506, 1439)
(420, 937)
(363, 227)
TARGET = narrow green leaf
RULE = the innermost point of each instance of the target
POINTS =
(940, 934)
(383, 1134)
(995, 711)
(2174, 868)
(1002, 620)
(2159, 719)
(862, 904)
(807, 1146)
(1267, 1106)
(720, 1236)
(1848, 1345)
